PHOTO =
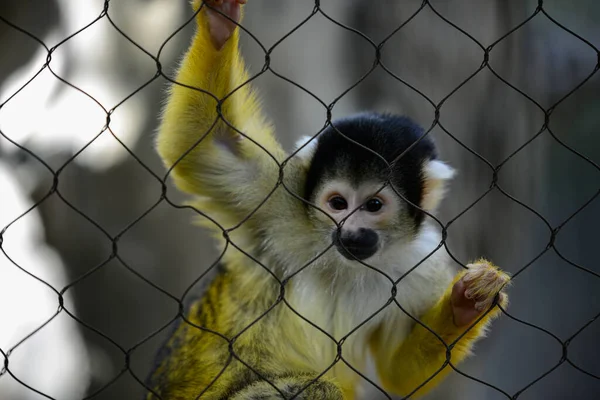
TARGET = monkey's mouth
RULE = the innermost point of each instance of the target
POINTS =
(358, 245)
(356, 252)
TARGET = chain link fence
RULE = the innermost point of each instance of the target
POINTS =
(166, 196)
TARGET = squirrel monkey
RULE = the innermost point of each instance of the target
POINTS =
(289, 267)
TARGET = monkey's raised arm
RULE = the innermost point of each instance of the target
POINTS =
(421, 354)
(210, 158)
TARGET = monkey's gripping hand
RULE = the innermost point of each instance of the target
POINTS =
(459, 318)
(222, 19)
(475, 290)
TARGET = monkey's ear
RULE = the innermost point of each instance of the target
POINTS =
(436, 175)
(307, 152)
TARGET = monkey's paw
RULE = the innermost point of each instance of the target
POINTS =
(219, 27)
(476, 290)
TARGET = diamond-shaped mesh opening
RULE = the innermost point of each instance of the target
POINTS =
(382, 59)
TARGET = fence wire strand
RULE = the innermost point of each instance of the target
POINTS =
(487, 55)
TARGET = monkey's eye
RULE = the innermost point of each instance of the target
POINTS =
(373, 205)
(337, 203)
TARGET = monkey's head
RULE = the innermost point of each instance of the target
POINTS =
(356, 182)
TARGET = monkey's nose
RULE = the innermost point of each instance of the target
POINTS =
(360, 244)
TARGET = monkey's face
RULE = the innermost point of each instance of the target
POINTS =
(347, 168)
(369, 219)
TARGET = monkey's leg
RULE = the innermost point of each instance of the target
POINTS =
(421, 355)
(289, 386)
(211, 158)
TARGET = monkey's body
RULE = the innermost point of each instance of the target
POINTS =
(281, 344)
(232, 175)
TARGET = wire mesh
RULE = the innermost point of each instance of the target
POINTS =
(377, 47)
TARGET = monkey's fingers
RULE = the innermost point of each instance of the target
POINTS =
(222, 17)
(476, 291)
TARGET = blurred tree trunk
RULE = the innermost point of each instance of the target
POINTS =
(40, 17)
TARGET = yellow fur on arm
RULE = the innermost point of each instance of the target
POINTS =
(190, 114)
(421, 354)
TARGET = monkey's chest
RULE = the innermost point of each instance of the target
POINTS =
(324, 319)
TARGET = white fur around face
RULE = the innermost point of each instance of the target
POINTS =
(307, 152)
(436, 169)
(435, 176)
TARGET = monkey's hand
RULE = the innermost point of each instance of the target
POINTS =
(475, 292)
(222, 17)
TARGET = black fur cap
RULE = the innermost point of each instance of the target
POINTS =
(385, 134)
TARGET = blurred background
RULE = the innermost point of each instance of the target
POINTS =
(51, 241)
